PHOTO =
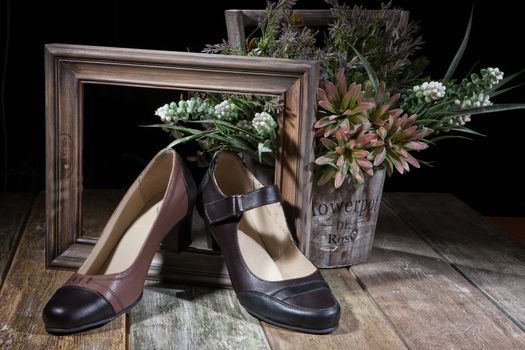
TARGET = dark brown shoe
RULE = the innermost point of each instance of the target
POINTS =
(111, 280)
(273, 280)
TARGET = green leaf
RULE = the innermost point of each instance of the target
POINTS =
(445, 137)
(321, 123)
(460, 52)
(174, 127)
(468, 131)
(189, 138)
(487, 109)
(429, 164)
(472, 69)
(262, 148)
(436, 106)
(389, 167)
(495, 93)
(246, 138)
(345, 102)
(226, 124)
(330, 144)
(239, 143)
(422, 108)
(425, 122)
(327, 175)
(372, 76)
(326, 159)
(235, 144)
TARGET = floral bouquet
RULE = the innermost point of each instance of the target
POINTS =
(242, 123)
(361, 130)
(374, 107)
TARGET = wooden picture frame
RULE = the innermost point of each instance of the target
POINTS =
(238, 20)
(68, 68)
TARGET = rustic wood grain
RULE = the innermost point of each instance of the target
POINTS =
(479, 249)
(14, 208)
(69, 67)
(29, 285)
(362, 324)
(428, 302)
(344, 221)
(184, 317)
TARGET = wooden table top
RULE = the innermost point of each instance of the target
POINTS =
(440, 276)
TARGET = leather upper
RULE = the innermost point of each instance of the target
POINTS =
(121, 290)
(305, 302)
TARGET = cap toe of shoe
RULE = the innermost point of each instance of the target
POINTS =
(72, 309)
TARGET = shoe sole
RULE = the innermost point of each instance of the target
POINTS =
(293, 328)
(93, 325)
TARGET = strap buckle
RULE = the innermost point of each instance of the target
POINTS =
(233, 207)
(236, 205)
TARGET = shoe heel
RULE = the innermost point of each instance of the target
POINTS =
(179, 238)
(199, 205)
(212, 243)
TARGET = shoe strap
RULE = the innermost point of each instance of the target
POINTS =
(233, 206)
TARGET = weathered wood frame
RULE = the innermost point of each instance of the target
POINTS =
(69, 67)
(238, 20)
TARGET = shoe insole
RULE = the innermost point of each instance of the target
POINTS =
(267, 248)
(131, 242)
(263, 236)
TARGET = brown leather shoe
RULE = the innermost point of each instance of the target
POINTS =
(273, 280)
(111, 280)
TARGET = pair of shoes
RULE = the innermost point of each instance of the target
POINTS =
(270, 276)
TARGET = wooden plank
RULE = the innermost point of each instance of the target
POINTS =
(184, 317)
(428, 302)
(479, 249)
(362, 324)
(29, 285)
(14, 208)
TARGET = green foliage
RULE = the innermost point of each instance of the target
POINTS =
(361, 124)
(389, 47)
(241, 123)
(463, 99)
(459, 55)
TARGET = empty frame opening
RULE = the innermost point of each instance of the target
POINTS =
(119, 140)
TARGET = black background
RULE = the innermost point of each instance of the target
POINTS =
(483, 173)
